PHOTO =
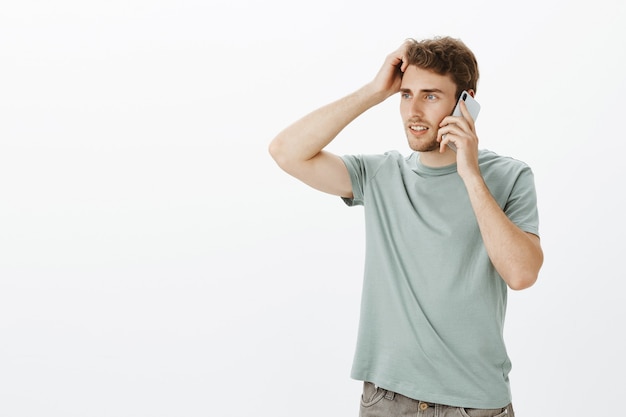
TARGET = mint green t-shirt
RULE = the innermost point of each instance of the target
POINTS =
(433, 305)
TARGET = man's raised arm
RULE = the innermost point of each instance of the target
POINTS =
(299, 149)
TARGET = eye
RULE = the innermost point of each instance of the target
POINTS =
(406, 95)
(431, 97)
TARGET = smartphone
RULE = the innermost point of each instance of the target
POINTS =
(472, 106)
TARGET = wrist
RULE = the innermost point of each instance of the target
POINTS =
(374, 94)
(473, 181)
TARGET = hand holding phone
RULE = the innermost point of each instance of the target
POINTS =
(472, 106)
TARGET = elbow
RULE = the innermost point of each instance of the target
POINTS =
(285, 156)
(527, 271)
(522, 282)
(280, 154)
(276, 151)
(524, 278)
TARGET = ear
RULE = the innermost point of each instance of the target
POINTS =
(471, 92)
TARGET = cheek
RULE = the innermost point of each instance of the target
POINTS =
(404, 112)
(404, 107)
(441, 113)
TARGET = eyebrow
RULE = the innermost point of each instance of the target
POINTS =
(426, 90)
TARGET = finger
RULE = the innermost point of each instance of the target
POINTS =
(398, 61)
(405, 58)
(395, 59)
(442, 143)
(454, 129)
(405, 63)
(466, 114)
(459, 123)
(448, 141)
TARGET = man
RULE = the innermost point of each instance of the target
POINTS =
(447, 232)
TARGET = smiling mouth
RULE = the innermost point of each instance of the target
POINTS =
(418, 128)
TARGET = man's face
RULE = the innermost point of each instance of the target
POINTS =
(426, 98)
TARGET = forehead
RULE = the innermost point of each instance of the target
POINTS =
(418, 79)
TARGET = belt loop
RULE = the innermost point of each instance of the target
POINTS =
(389, 395)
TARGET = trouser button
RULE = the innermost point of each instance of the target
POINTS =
(423, 406)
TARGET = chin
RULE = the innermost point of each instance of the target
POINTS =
(420, 146)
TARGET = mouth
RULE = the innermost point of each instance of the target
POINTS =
(418, 129)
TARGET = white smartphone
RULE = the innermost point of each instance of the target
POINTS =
(472, 106)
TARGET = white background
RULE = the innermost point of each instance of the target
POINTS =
(155, 262)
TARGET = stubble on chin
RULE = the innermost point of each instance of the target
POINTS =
(423, 145)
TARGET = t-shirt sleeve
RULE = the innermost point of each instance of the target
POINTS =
(521, 206)
(357, 171)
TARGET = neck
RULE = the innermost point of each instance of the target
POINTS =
(436, 159)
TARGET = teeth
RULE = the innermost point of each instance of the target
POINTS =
(418, 128)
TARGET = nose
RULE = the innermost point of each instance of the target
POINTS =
(415, 108)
